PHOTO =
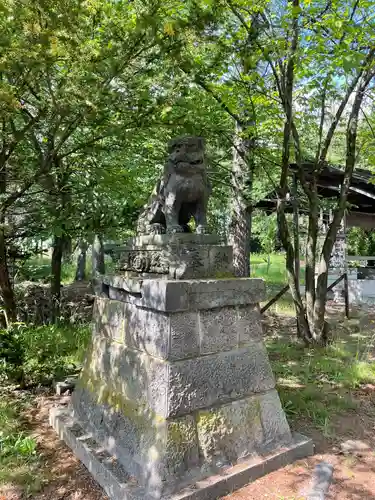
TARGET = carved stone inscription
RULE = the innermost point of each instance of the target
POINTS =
(146, 262)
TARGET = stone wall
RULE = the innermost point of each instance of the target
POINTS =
(34, 302)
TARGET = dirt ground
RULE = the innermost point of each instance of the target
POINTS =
(67, 478)
(354, 462)
(351, 452)
(354, 468)
(350, 449)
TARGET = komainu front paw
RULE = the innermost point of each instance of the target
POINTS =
(202, 230)
(157, 228)
(175, 229)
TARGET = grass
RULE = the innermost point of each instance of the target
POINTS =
(48, 352)
(39, 269)
(316, 384)
(19, 459)
(272, 269)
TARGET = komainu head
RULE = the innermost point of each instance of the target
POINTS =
(186, 154)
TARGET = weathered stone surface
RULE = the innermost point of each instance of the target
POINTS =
(190, 261)
(162, 240)
(218, 329)
(112, 368)
(118, 281)
(355, 447)
(221, 259)
(226, 328)
(183, 335)
(226, 292)
(104, 468)
(177, 335)
(218, 378)
(109, 318)
(177, 261)
(115, 481)
(230, 432)
(167, 296)
(228, 480)
(121, 428)
(183, 295)
(181, 194)
(65, 386)
(147, 330)
(147, 446)
(182, 446)
(179, 387)
(320, 483)
(275, 426)
(249, 325)
(177, 383)
(165, 336)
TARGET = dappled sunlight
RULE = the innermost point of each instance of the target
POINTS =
(353, 479)
(290, 382)
(319, 383)
(19, 454)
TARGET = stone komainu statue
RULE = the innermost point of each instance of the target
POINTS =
(181, 194)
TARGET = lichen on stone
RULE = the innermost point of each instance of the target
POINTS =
(224, 275)
(181, 443)
(213, 427)
(108, 392)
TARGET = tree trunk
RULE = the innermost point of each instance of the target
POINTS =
(291, 252)
(311, 246)
(297, 254)
(241, 205)
(240, 234)
(6, 288)
(56, 261)
(302, 323)
(67, 249)
(319, 327)
(81, 262)
(98, 265)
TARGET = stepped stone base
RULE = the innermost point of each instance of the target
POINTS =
(119, 485)
(177, 386)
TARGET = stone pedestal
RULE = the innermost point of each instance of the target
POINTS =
(177, 398)
(176, 256)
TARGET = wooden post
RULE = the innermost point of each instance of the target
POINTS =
(274, 299)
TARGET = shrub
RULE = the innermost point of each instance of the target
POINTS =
(40, 354)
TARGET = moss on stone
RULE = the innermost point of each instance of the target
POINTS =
(181, 443)
(221, 275)
(253, 413)
(213, 427)
(109, 392)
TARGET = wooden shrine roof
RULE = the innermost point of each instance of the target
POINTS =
(361, 195)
